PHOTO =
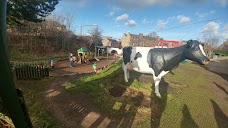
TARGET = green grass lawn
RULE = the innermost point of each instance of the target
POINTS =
(188, 97)
(32, 91)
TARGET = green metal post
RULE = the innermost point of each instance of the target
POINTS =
(8, 91)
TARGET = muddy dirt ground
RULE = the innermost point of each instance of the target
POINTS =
(63, 67)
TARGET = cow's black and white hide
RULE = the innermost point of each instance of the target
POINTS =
(159, 61)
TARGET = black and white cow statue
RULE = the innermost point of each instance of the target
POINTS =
(159, 61)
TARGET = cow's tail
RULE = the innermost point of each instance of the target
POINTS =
(149, 58)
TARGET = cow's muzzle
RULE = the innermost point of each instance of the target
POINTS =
(129, 67)
(206, 61)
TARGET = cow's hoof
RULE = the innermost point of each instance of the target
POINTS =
(158, 95)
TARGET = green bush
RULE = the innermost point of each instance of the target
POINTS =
(222, 51)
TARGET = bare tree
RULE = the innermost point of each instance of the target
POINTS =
(96, 34)
(45, 37)
(68, 24)
(153, 34)
(211, 43)
(66, 21)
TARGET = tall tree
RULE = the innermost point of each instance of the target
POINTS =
(96, 34)
(19, 11)
(153, 34)
(211, 43)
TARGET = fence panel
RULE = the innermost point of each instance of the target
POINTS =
(28, 70)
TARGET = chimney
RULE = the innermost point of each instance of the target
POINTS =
(128, 33)
(140, 37)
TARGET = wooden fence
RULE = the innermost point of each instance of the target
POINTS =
(28, 70)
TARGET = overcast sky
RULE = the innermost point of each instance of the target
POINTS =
(171, 19)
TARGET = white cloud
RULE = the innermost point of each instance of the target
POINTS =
(222, 3)
(225, 35)
(212, 12)
(211, 27)
(122, 17)
(183, 19)
(171, 18)
(138, 3)
(133, 4)
(111, 13)
(225, 27)
(78, 3)
(161, 24)
(130, 23)
(205, 14)
(145, 21)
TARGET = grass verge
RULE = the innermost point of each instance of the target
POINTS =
(32, 91)
(187, 100)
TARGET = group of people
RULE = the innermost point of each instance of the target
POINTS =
(72, 60)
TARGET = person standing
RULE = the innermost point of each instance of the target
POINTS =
(95, 67)
(74, 60)
(52, 64)
(71, 61)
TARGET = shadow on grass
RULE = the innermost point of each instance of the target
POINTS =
(222, 88)
(187, 121)
(224, 76)
(158, 105)
(127, 120)
(220, 117)
(97, 105)
(219, 68)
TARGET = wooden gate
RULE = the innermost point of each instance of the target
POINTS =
(28, 70)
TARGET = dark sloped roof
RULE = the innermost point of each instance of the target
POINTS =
(112, 40)
(144, 37)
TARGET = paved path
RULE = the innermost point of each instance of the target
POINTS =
(219, 66)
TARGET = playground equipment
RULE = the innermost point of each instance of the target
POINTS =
(84, 56)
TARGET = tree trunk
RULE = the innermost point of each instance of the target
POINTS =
(22, 38)
(45, 37)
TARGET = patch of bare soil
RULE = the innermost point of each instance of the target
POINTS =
(219, 67)
(63, 67)
(117, 91)
(76, 110)
(70, 110)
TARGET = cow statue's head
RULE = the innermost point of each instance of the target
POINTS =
(195, 52)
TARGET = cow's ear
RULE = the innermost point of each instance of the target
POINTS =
(202, 44)
(189, 43)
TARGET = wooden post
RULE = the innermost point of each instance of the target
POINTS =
(107, 52)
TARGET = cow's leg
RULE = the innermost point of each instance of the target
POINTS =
(157, 80)
(128, 74)
(156, 86)
(125, 71)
